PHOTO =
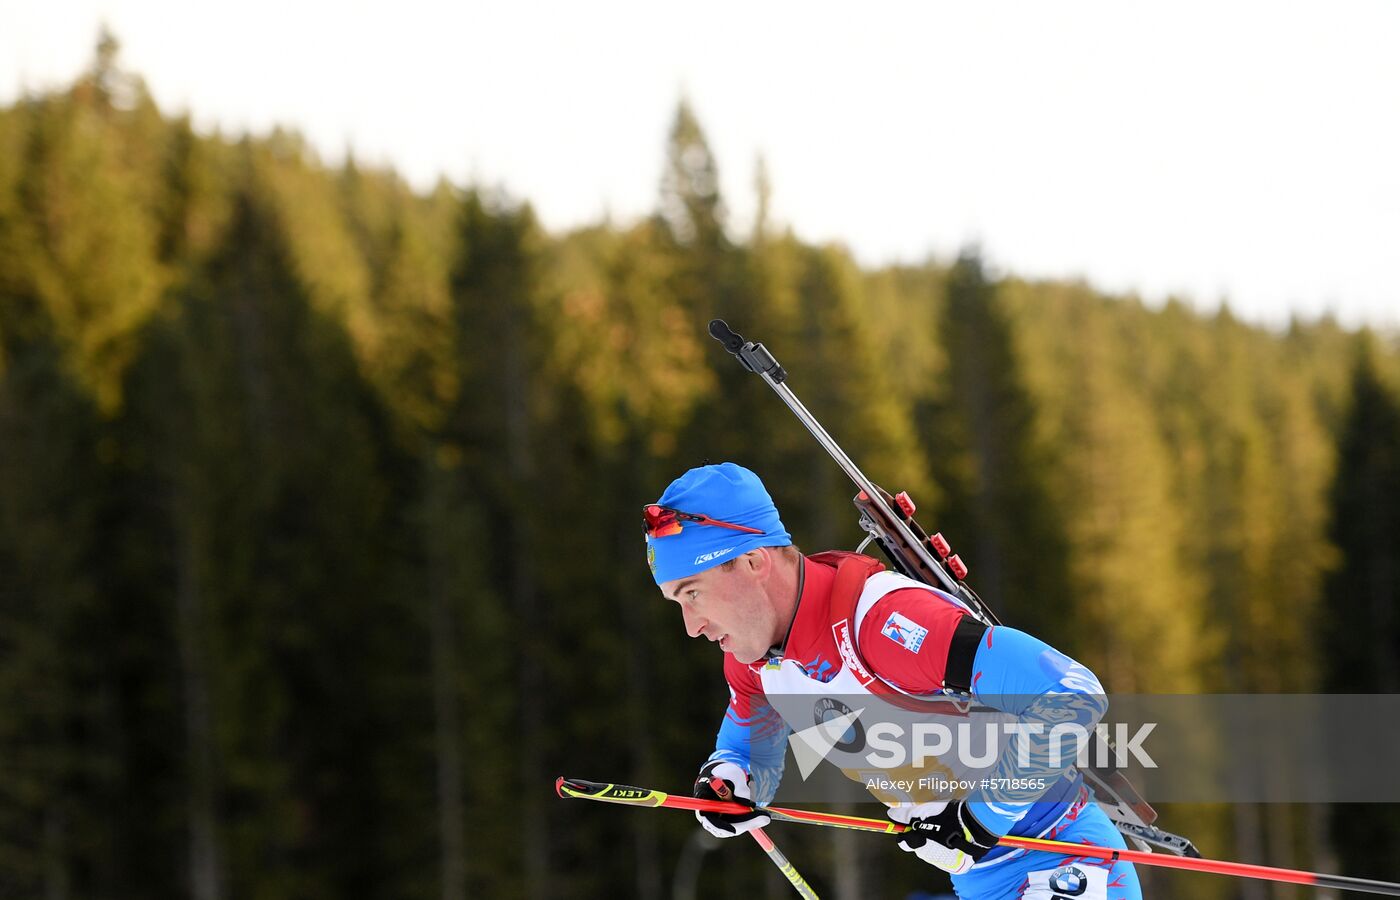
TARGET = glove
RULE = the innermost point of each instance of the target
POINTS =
(944, 834)
(726, 825)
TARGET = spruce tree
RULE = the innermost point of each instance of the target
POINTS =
(1361, 631)
(979, 436)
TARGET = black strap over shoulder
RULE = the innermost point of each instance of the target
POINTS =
(962, 651)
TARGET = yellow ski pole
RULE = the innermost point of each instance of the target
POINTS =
(798, 882)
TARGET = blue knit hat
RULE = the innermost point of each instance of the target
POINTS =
(728, 492)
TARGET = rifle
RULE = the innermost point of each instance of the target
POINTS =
(888, 521)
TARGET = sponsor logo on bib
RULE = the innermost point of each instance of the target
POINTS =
(1072, 882)
(842, 632)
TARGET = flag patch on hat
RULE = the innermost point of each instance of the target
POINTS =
(904, 631)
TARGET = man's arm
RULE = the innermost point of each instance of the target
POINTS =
(906, 639)
(752, 734)
(1047, 692)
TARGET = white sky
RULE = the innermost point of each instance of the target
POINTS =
(1248, 150)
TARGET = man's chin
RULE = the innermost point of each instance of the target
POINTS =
(745, 656)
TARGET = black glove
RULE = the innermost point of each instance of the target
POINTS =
(726, 825)
(944, 834)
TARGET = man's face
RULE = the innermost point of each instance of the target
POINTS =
(730, 606)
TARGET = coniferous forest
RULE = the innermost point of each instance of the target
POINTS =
(320, 545)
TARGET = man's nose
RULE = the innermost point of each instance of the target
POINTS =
(694, 625)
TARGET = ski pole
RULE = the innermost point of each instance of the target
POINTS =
(761, 837)
(635, 796)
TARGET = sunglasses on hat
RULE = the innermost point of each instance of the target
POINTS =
(663, 521)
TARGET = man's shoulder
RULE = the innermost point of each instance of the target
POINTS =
(835, 558)
(897, 588)
(743, 675)
(906, 634)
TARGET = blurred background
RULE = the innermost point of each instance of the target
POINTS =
(323, 434)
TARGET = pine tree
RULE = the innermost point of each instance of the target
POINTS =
(58, 671)
(1137, 615)
(494, 285)
(55, 666)
(979, 435)
(690, 198)
(263, 451)
(1365, 528)
(1362, 633)
(89, 202)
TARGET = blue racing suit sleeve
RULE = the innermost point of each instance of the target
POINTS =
(1056, 701)
(754, 736)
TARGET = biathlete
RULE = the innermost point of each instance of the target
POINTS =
(797, 626)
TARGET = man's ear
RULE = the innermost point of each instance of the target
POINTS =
(758, 561)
